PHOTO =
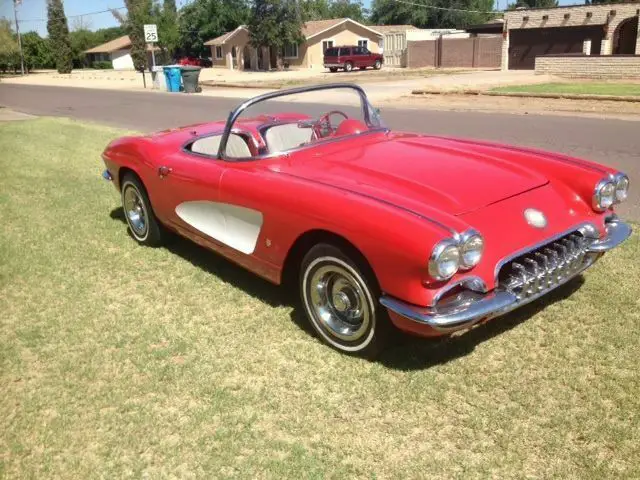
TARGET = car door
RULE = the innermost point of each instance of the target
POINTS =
(189, 181)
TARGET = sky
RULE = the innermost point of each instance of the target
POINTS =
(32, 14)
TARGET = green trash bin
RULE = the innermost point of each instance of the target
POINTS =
(190, 75)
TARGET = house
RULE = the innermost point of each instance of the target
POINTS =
(234, 50)
(117, 51)
(584, 38)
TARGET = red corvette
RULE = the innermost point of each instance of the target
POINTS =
(376, 229)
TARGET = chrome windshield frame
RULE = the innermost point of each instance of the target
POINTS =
(367, 108)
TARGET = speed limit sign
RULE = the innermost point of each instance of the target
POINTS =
(150, 33)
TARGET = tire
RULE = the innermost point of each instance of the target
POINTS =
(142, 222)
(333, 69)
(377, 65)
(356, 324)
(348, 67)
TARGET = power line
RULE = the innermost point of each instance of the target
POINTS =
(449, 9)
(73, 16)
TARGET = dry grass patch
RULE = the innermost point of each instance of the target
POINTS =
(122, 361)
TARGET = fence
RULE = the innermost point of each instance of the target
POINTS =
(473, 52)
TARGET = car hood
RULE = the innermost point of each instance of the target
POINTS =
(411, 171)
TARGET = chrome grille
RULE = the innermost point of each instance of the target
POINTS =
(546, 267)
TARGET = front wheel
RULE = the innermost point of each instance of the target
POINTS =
(340, 299)
(348, 67)
(377, 65)
(143, 225)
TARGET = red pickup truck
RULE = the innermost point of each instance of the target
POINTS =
(349, 57)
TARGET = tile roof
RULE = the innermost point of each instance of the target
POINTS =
(224, 37)
(120, 43)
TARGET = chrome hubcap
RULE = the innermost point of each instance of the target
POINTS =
(339, 303)
(135, 211)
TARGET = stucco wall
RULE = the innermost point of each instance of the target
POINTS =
(344, 34)
(121, 60)
(601, 66)
(609, 16)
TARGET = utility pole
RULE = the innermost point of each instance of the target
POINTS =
(15, 14)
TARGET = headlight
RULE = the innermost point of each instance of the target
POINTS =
(622, 187)
(445, 260)
(471, 248)
(604, 195)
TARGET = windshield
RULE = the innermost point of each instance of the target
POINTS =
(301, 118)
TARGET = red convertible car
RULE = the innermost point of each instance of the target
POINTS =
(376, 229)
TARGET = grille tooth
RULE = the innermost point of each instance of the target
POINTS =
(540, 269)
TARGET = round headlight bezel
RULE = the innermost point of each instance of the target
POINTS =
(442, 248)
(465, 240)
(621, 182)
(597, 201)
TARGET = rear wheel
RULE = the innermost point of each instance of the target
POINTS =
(339, 295)
(348, 67)
(377, 65)
(143, 225)
(333, 69)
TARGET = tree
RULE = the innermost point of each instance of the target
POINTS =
(203, 20)
(534, 4)
(168, 28)
(37, 51)
(59, 36)
(139, 12)
(347, 9)
(275, 24)
(9, 53)
(595, 2)
(434, 13)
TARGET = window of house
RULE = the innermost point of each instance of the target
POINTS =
(218, 52)
(326, 44)
(290, 50)
(363, 43)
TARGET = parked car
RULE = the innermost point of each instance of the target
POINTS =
(377, 229)
(195, 61)
(350, 57)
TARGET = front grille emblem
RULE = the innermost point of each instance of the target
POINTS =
(535, 218)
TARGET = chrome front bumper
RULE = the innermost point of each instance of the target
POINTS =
(472, 307)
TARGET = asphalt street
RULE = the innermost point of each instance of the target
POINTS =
(611, 141)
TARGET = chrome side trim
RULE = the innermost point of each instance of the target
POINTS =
(617, 232)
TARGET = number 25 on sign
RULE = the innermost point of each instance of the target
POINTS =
(150, 33)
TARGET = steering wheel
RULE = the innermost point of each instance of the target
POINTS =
(322, 128)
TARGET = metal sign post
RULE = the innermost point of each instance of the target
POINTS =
(151, 37)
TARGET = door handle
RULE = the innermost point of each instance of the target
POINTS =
(164, 171)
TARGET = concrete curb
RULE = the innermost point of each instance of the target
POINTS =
(566, 96)
(265, 86)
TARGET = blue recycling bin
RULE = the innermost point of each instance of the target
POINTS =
(174, 77)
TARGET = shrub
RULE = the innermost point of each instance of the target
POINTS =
(102, 65)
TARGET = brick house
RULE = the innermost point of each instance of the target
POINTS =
(574, 38)
(233, 49)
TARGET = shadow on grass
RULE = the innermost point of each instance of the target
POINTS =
(408, 353)
(417, 354)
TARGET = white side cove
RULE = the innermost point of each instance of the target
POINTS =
(237, 227)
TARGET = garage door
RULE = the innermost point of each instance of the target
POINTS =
(526, 44)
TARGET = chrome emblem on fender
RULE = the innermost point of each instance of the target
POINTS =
(535, 218)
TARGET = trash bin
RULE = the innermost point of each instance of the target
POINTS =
(172, 74)
(159, 79)
(190, 75)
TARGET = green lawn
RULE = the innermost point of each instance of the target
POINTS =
(592, 88)
(122, 361)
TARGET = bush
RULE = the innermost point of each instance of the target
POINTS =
(102, 65)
